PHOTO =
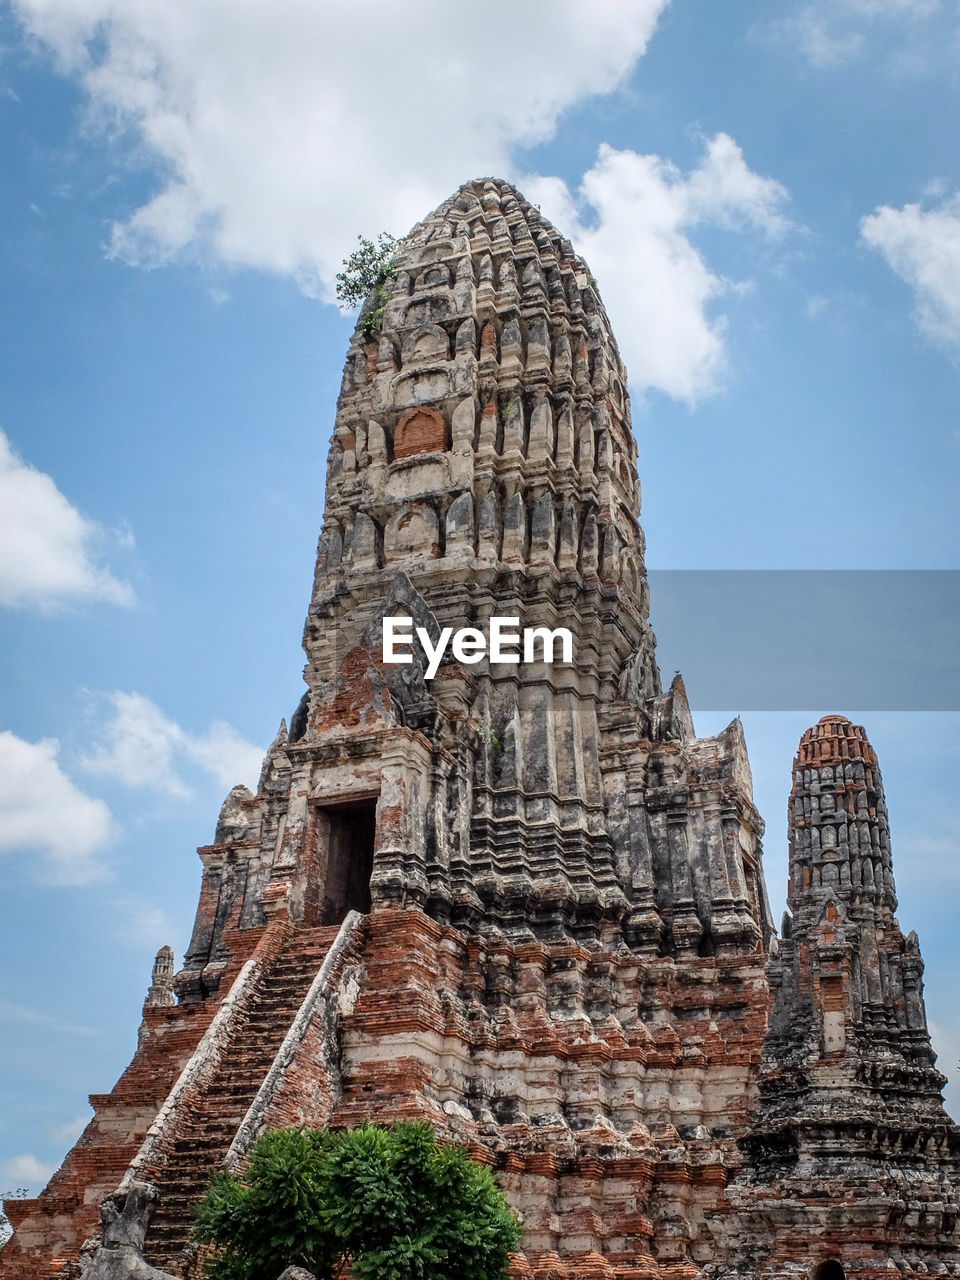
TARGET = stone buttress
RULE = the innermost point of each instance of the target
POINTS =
(520, 900)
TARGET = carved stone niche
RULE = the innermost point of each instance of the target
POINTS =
(435, 275)
(428, 343)
(420, 430)
(412, 531)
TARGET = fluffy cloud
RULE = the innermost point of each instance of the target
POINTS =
(656, 285)
(282, 128)
(923, 248)
(285, 127)
(46, 545)
(143, 747)
(43, 811)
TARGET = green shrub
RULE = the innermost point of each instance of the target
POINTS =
(363, 277)
(389, 1202)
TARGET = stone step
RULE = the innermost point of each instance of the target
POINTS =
(205, 1138)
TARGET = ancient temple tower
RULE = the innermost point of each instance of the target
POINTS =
(520, 899)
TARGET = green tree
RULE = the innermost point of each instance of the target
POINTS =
(387, 1201)
(364, 275)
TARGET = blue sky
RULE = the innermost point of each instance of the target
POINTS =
(768, 195)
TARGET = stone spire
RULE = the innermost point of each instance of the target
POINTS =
(839, 834)
(482, 464)
(850, 1098)
(843, 953)
(482, 449)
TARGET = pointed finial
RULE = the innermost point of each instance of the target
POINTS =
(161, 984)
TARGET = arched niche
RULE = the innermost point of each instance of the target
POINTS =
(413, 530)
(829, 1270)
(427, 343)
(434, 276)
(420, 430)
(423, 385)
(436, 249)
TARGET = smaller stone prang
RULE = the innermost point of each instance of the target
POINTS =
(297, 1273)
(161, 982)
(124, 1218)
(850, 1109)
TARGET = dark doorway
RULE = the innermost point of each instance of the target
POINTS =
(349, 861)
(831, 1270)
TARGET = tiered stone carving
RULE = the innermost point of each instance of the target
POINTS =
(553, 924)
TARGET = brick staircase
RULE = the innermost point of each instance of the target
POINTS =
(202, 1143)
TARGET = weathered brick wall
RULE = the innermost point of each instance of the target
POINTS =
(606, 1090)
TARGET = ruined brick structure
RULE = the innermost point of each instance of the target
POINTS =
(525, 901)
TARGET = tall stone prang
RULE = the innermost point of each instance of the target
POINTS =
(850, 1111)
(521, 900)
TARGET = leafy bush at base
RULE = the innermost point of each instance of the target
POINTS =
(389, 1202)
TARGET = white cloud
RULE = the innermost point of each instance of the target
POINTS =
(282, 128)
(923, 247)
(143, 747)
(225, 754)
(139, 746)
(656, 285)
(46, 545)
(42, 810)
(818, 38)
(285, 127)
(829, 33)
(26, 1169)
